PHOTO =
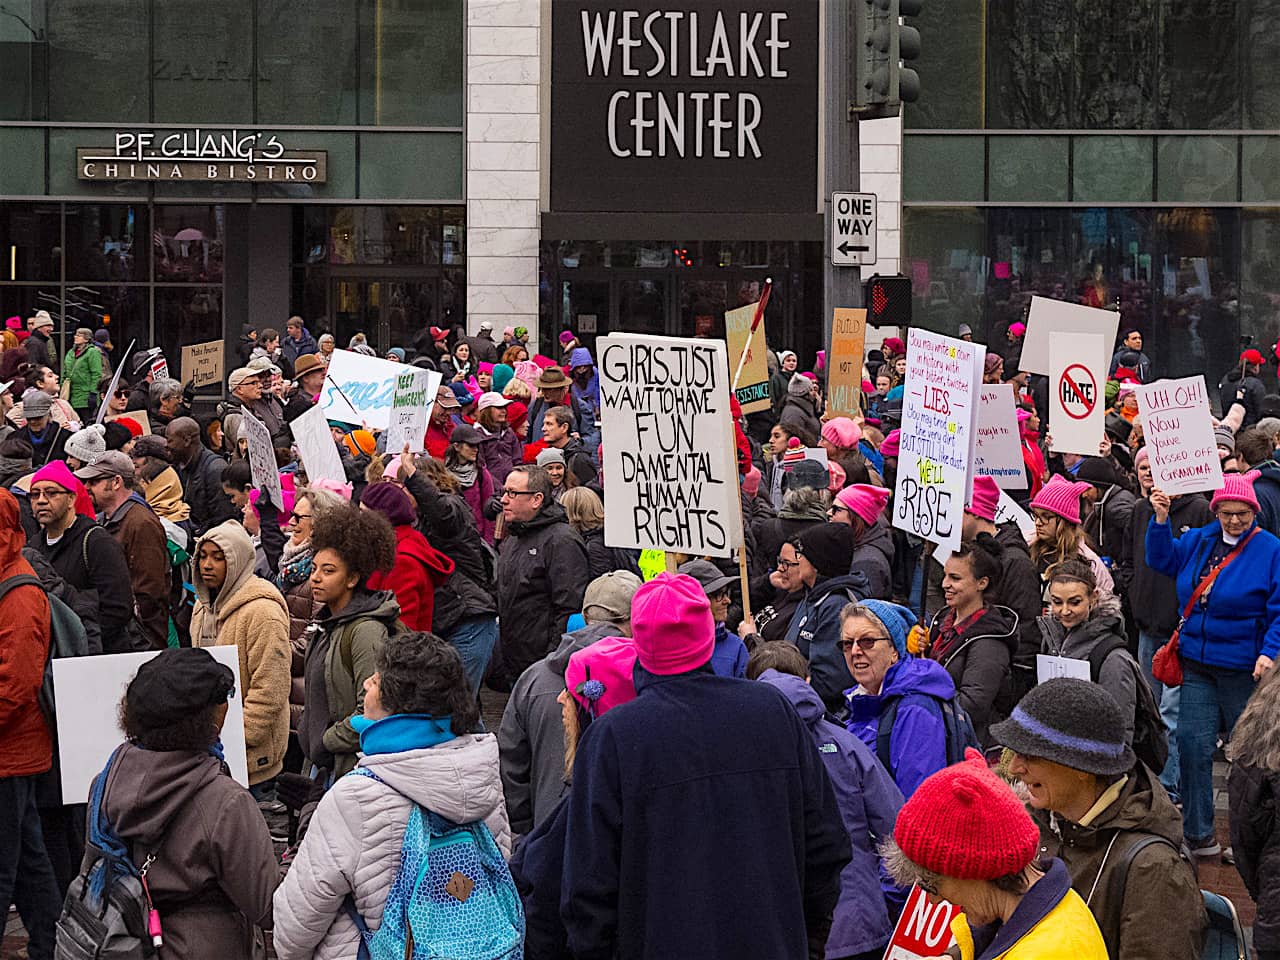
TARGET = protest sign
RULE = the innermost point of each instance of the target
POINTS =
(411, 401)
(1077, 378)
(844, 365)
(1178, 429)
(1008, 511)
(137, 416)
(938, 415)
(115, 382)
(753, 384)
(924, 928)
(88, 691)
(358, 389)
(316, 449)
(202, 363)
(1056, 316)
(262, 458)
(159, 369)
(668, 451)
(998, 448)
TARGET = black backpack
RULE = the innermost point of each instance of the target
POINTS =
(1150, 735)
(960, 732)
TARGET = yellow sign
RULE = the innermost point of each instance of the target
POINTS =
(753, 385)
(202, 363)
(844, 365)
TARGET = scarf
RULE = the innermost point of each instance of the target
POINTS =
(401, 732)
(466, 474)
(296, 564)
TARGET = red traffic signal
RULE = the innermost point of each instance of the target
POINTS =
(888, 301)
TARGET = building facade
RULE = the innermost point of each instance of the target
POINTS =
(1119, 155)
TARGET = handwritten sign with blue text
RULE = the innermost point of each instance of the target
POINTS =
(938, 413)
(359, 390)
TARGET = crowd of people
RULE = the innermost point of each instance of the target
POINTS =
(696, 757)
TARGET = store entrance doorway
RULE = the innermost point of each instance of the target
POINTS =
(390, 312)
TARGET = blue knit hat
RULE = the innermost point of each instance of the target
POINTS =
(895, 619)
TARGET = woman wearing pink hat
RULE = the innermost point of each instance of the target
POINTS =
(1228, 579)
(861, 506)
(1060, 533)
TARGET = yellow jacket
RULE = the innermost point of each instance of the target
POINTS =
(164, 494)
(1051, 923)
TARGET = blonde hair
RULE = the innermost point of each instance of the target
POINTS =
(584, 509)
(9, 341)
(517, 389)
(572, 734)
(1067, 540)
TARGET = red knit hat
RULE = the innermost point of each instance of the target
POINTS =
(1061, 496)
(965, 823)
(1236, 486)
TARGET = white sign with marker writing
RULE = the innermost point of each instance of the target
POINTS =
(998, 451)
(1178, 429)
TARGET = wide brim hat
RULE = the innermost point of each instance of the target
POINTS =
(551, 378)
(307, 363)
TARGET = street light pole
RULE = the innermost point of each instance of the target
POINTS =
(842, 286)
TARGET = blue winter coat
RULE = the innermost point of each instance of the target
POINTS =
(729, 659)
(869, 803)
(918, 745)
(701, 824)
(1241, 618)
(815, 629)
(293, 349)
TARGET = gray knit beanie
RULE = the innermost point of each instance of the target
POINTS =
(1072, 722)
(89, 444)
(799, 385)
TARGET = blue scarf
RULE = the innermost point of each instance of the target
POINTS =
(401, 732)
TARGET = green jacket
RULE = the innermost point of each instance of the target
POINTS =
(84, 372)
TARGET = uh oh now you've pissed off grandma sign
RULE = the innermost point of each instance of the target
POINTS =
(692, 106)
(670, 463)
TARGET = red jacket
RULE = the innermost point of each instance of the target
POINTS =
(419, 569)
(437, 439)
(25, 745)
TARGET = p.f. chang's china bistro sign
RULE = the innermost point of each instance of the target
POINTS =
(200, 155)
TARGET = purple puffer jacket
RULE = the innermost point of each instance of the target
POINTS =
(499, 453)
(477, 495)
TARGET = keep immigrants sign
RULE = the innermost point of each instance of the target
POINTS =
(204, 155)
(692, 106)
(669, 459)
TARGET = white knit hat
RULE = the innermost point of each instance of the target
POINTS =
(89, 444)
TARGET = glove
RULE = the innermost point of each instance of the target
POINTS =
(492, 508)
(295, 791)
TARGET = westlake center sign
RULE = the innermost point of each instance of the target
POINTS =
(701, 105)
(202, 155)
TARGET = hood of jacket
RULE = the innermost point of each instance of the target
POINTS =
(550, 514)
(856, 582)
(236, 546)
(457, 779)
(997, 622)
(149, 787)
(1269, 470)
(412, 543)
(878, 536)
(802, 696)
(571, 643)
(164, 493)
(804, 503)
(1141, 807)
(908, 675)
(1105, 620)
(379, 604)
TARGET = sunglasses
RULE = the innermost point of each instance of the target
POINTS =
(863, 643)
(297, 517)
(122, 392)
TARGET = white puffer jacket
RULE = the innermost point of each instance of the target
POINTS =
(353, 842)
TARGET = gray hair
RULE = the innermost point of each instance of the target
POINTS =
(165, 390)
(1255, 741)
(906, 872)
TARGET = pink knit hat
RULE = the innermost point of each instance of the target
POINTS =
(1235, 486)
(1061, 496)
(892, 444)
(751, 482)
(841, 432)
(838, 476)
(671, 625)
(1141, 456)
(600, 675)
(986, 495)
(863, 499)
(57, 471)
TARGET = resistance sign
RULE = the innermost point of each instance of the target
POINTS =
(668, 446)
(938, 412)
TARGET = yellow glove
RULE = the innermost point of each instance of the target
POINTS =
(918, 641)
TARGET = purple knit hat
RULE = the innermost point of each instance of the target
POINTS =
(671, 624)
(1061, 496)
(599, 676)
(390, 501)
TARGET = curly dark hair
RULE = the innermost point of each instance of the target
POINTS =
(363, 539)
(421, 673)
(195, 731)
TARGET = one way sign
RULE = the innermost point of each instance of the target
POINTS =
(853, 229)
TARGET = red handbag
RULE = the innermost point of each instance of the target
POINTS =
(1166, 665)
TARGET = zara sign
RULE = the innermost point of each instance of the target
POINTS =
(204, 155)
(684, 106)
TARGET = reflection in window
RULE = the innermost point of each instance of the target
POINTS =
(392, 235)
(106, 242)
(186, 315)
(204, 67)
(98, 60)
(411, 62)
(30, 236)
(188, 243)
(307, 62)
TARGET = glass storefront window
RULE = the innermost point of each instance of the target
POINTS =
(952, 34)
(947, 264)
(204, 67)
(943, 168)
(107, 242)
(1196, 169)
(307, 63)
(1112, 169)
(186, 315)
(188, 243)
(388, 235)
(30, 241)
(1260, 276)
(1023, 168)
(411, 62)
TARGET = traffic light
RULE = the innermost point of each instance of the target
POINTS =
(885, 45)
(888, 301)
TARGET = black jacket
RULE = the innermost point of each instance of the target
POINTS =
(1253, 794)
(1107, 523)
(1020, 591)
(543, 570)
(105, 576)
(1248, 389)
(979, 663)
(873, 557)
(52, 445)
(603, 559)
(1157, 609)
(37, 347)
(202, 489)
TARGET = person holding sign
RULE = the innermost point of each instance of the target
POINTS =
(965, 838)
(1228, 580)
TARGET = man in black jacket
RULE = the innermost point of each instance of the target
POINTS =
(37, 345)
(542, 571)
(201, 474)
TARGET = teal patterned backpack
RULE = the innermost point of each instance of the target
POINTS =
(452, 899)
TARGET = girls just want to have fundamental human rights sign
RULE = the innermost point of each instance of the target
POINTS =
(670, 464)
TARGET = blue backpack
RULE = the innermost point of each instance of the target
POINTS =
(452, 897)
(959, 728)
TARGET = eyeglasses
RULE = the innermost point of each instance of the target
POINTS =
(297, 517)
(785, 565)
(837, 508)
(863, 643)
(1235, 514)
(516, 493)
(38, 495)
